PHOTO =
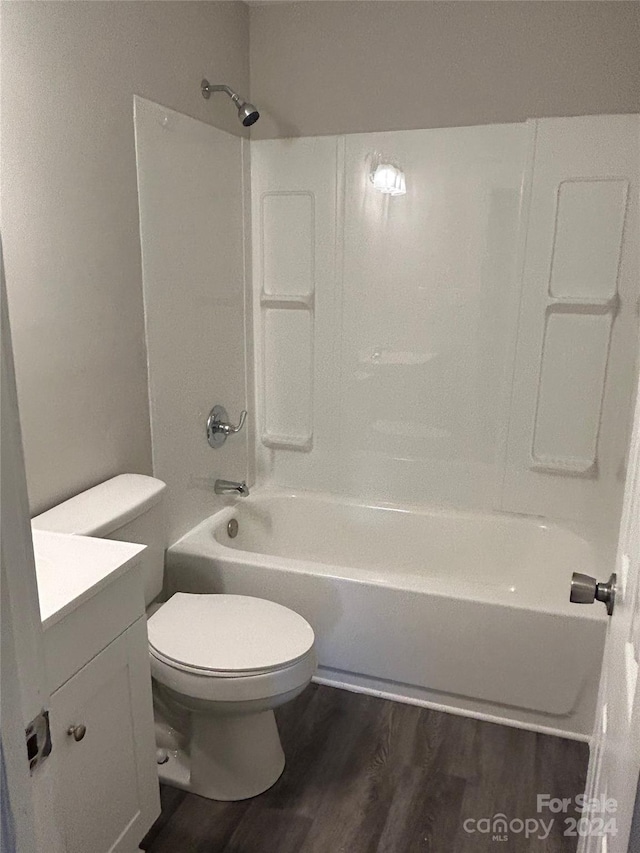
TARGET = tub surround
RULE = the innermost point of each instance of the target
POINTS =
(470, 343)
(413, 349)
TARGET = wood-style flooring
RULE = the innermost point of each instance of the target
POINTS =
(366, 775)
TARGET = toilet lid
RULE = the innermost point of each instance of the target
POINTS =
(228, 633)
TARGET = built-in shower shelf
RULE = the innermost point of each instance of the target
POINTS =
(584, 306)
(288, 442)
(299, 301)
(582, 301)
(287, 267)
(570, 467)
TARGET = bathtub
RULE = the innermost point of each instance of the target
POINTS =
(459, 611)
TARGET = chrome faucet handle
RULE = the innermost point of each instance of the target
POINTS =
(218, 426)
(228, 428)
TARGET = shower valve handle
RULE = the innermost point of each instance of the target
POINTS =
(218, 426)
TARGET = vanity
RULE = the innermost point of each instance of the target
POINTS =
(92, 606)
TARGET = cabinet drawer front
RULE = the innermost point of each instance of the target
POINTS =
(106, 781)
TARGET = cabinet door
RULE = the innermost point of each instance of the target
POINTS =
(106, 782)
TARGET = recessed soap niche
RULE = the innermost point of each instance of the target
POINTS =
(287, 230)
(582, 302)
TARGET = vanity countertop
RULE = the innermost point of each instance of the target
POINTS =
(72, 569)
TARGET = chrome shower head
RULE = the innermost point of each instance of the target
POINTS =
(247, 113)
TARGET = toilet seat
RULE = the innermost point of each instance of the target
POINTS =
(227, 636)
(243, 688)
(212, 673)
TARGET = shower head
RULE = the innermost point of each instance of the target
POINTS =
(247, 113)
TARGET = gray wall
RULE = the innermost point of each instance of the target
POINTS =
(70, 214)
(346, 67)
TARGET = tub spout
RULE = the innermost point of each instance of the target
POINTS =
(230, 487)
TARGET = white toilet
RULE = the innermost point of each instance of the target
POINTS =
(222, 663)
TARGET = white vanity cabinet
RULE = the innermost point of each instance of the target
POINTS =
(105, 775)
(102, 762)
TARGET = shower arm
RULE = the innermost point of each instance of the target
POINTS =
(207, 88)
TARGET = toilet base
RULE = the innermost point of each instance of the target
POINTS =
(232, 757)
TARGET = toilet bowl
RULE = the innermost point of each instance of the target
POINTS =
(220, 663)
(228, 661)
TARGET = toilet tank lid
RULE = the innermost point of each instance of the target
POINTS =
(104, 508)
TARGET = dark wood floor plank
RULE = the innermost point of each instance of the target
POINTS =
(418, 735)
(366, 775)
(319, 759)
(354, 804)
(424, 814)
(265, 829)
(509, 783)
(560, 775)
(502, 785)
(170, 799)
(199, 825)
(459, 745)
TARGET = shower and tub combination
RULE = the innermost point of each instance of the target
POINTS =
(438, 385)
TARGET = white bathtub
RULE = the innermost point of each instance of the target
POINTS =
(466, 612)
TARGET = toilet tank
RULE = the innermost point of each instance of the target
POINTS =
(129, 508)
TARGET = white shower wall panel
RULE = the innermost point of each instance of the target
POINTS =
(191, 186)
(578, 327)
(414, 304)
(429, 306)
(472, 342)
(295, 197)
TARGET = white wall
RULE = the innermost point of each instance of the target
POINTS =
(70, 214)
(355, 66)
(192, 207)
(400, 347)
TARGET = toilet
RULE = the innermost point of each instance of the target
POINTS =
(220, 663)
